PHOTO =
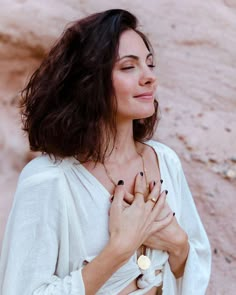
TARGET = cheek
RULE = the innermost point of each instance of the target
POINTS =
(123, 86)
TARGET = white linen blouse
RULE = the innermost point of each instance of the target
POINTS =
(59, 220)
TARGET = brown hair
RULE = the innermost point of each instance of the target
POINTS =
(68, 106)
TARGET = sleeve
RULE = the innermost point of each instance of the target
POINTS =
(35, 227)
(198, 265)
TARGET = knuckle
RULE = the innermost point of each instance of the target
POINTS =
(153, 194)
(139, 206)
(169, 219)
(162, 201)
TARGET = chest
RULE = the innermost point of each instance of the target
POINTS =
(109, 174)
(87, 219)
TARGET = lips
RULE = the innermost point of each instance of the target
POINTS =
(146, 95)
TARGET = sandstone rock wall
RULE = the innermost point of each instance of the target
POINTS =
(195, 42)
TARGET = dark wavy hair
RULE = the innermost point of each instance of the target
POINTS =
(68, 106)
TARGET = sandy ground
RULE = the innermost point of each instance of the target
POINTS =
(195, 42)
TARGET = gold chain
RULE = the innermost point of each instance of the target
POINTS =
(144, 171)
(143, 261)
(109, 175)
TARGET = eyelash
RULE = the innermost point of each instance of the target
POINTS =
(131, 67)
(127, 68)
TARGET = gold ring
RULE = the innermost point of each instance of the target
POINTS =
(153, 199)
(138, 193)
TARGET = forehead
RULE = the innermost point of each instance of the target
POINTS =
(131, 43)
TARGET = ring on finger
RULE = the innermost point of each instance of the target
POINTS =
(153, 200)
(138, 193)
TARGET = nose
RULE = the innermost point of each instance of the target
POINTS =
(148, 76)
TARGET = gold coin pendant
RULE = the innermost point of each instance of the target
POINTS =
(144, 262)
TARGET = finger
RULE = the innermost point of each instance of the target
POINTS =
(163, 223)
(165, 211)
(139, 187)
(151, 185)
(159, 205)
(118, 197)
(111, 198)
(153, 197)
(154, 183)
(129, 198)
(125, 204)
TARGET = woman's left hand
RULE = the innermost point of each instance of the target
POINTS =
(172, 239)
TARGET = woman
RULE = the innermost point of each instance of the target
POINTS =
(102, 210)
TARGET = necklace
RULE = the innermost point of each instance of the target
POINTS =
(143, 261)
(144, 171)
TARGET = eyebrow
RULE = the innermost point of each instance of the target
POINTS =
(134, 56)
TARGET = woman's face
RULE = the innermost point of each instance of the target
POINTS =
(133, 78)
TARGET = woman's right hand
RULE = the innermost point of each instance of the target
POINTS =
(130, 225)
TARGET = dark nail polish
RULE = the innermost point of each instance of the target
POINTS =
(120, 182)
(166, 191)
(161, 181)
(173, 213)
(141, 173)
(85, 262)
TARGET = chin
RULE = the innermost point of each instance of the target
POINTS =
(146, 114)
(143, 116)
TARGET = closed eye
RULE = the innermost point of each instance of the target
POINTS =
(127, 68)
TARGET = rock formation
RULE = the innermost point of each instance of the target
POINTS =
(195, 43)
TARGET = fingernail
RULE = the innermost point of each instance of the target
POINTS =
(112, 198)
(173, 213)
(166, 191)
(85, 262)
(161, 181)
(120, 182)
(141, 173)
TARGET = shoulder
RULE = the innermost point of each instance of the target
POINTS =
(164, 152)
(43, 168)
(42, 182)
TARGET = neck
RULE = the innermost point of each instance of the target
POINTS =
(125, 153)
(124, 146)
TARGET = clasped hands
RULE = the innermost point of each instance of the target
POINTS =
(145, 218)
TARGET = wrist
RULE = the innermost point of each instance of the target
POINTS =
(178, 258)
(109, 260)
(120, 250)
(181, 245)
